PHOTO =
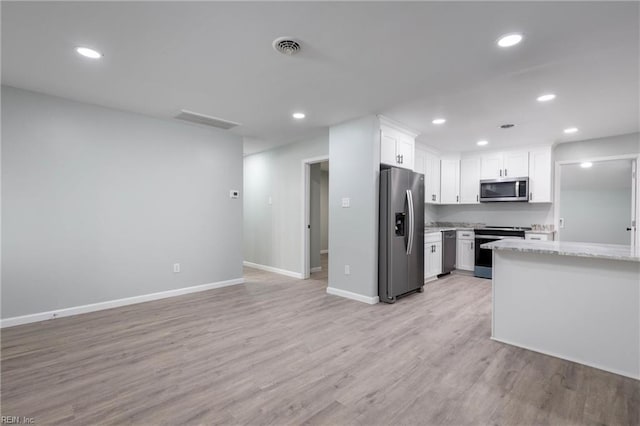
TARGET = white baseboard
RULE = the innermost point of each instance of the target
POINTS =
(353, 296)
(109, 304)
(316, 269)
(577, 361)
(324, 251)
(275, 270)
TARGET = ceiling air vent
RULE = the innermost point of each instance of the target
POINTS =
(507, 126)
(286, 45)
(194, 117)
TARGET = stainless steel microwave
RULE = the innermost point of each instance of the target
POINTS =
(504, 189)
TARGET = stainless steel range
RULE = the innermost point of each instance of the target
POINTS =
(484, 257)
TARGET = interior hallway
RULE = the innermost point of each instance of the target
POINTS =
(278, 350)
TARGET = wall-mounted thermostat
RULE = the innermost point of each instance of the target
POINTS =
(234, 193)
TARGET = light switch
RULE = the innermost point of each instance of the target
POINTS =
(346, 202)
(270, 201)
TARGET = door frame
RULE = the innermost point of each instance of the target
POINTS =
(306, 211)
(634, 238)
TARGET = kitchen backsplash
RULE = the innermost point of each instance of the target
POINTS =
(491, 214)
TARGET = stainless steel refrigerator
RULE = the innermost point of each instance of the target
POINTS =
(401, 234)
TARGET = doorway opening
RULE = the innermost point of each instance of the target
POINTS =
(597, 201)
(316, 218)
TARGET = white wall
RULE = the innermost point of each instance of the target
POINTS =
(492, 214)
(324, 210)
(273, 232)
(354, 168)
(98, 204)
(596, 215)
(594, 148)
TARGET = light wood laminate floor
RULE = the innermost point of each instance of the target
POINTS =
(280, 351)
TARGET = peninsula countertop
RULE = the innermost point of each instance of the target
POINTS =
(567, 248)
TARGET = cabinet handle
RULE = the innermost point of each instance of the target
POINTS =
(477, 198)
(472, 245)
(457, 198)
(505, 172)
(500, 172)
(530, 196)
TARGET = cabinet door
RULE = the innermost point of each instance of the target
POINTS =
(432, 179)
(516, 164)
(428, 263)
(419, 166)
(449, 181)
(387, 149)
(464, 255)
(540, 176)
(491, 166)
(432, 265)
(470, 181)
(437, 257)
(404, 151)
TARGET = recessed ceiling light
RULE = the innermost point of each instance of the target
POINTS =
(571, 130)
(439, 121)
(89, 53)
(298, 115)
(482, 143)
(509, 40)
(586, 164)
(546, 97)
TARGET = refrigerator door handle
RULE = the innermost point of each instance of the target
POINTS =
(410, 229)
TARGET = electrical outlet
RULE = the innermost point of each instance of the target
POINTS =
(346, 202)
(347, 270)
(234, 193)
(176, 268)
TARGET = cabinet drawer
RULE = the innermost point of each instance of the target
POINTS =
(538, 237)
(465, 235)
(433, 237)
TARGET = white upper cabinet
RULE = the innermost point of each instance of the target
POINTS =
(516, 164)
(432, 179)
(469, 181)
(387, 149)
(397, 145)
(491, 165)
(540, 176)
(504, 164)
(419, 162)
(405, 147)
(450, 181)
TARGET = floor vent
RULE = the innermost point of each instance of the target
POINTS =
(194, 117)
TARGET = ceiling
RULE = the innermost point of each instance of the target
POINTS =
(609, 175)
(410, 61)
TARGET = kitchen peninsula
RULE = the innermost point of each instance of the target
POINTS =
(576, 301)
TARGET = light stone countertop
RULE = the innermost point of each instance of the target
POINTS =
(434, 229)
(567, 248)
(429, 229)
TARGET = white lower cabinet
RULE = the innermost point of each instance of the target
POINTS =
(465, 250)
(432, 256)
